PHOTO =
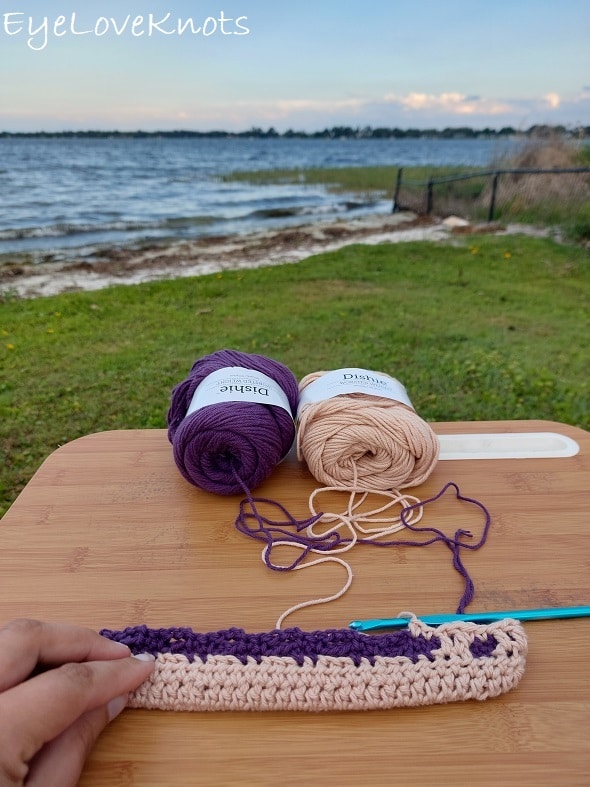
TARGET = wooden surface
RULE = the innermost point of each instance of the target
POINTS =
(108, 534)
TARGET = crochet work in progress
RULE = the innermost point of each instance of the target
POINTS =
(338, 669)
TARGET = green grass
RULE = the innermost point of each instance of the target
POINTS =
(491, 328)
(571, 217)
(360, 180)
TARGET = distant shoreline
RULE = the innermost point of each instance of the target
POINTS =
(336, 132)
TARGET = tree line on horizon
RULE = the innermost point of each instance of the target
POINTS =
(336, 132)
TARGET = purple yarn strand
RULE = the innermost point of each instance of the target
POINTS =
(271, 532)
(455, 544)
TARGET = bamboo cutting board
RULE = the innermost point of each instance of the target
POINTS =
(108, 534)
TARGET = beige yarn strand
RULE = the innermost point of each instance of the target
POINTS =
(355, 519)
(350, 520)
(313, 602)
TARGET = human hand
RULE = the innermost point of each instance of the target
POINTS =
(60, 686)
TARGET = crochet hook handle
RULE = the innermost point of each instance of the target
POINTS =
(474, 617)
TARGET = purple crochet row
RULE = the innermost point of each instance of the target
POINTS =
(293, 643)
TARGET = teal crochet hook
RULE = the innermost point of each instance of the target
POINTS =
(549, 613)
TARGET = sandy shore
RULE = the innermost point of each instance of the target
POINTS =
(205, 255)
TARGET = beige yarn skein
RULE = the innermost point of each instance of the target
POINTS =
(367, 441)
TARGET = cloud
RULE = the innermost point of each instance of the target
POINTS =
(316, 105)
(552, 99)
(453, 103)
(583, 96)
(417, 103)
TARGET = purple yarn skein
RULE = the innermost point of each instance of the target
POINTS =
(222, 447)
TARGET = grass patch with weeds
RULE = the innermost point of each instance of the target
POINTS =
(358, 180)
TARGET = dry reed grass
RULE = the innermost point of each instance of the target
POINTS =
(519, 193)
(547, 199)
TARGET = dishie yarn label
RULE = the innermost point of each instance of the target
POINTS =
(238, 384)
(352, 380)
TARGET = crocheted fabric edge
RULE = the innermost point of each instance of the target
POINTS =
(330, 670)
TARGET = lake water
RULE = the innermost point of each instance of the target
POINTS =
(59, 196)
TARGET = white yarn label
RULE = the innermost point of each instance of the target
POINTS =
(347, 381)
(237, 384)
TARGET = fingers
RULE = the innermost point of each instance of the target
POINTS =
(60, 763)
(26, 643)
(42, 708)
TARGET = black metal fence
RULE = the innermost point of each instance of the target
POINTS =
(480, 195)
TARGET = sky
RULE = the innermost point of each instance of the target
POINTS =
(293, 64)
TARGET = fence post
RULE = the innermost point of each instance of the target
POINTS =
(493, 197)
(398, 184)
(429, 197)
